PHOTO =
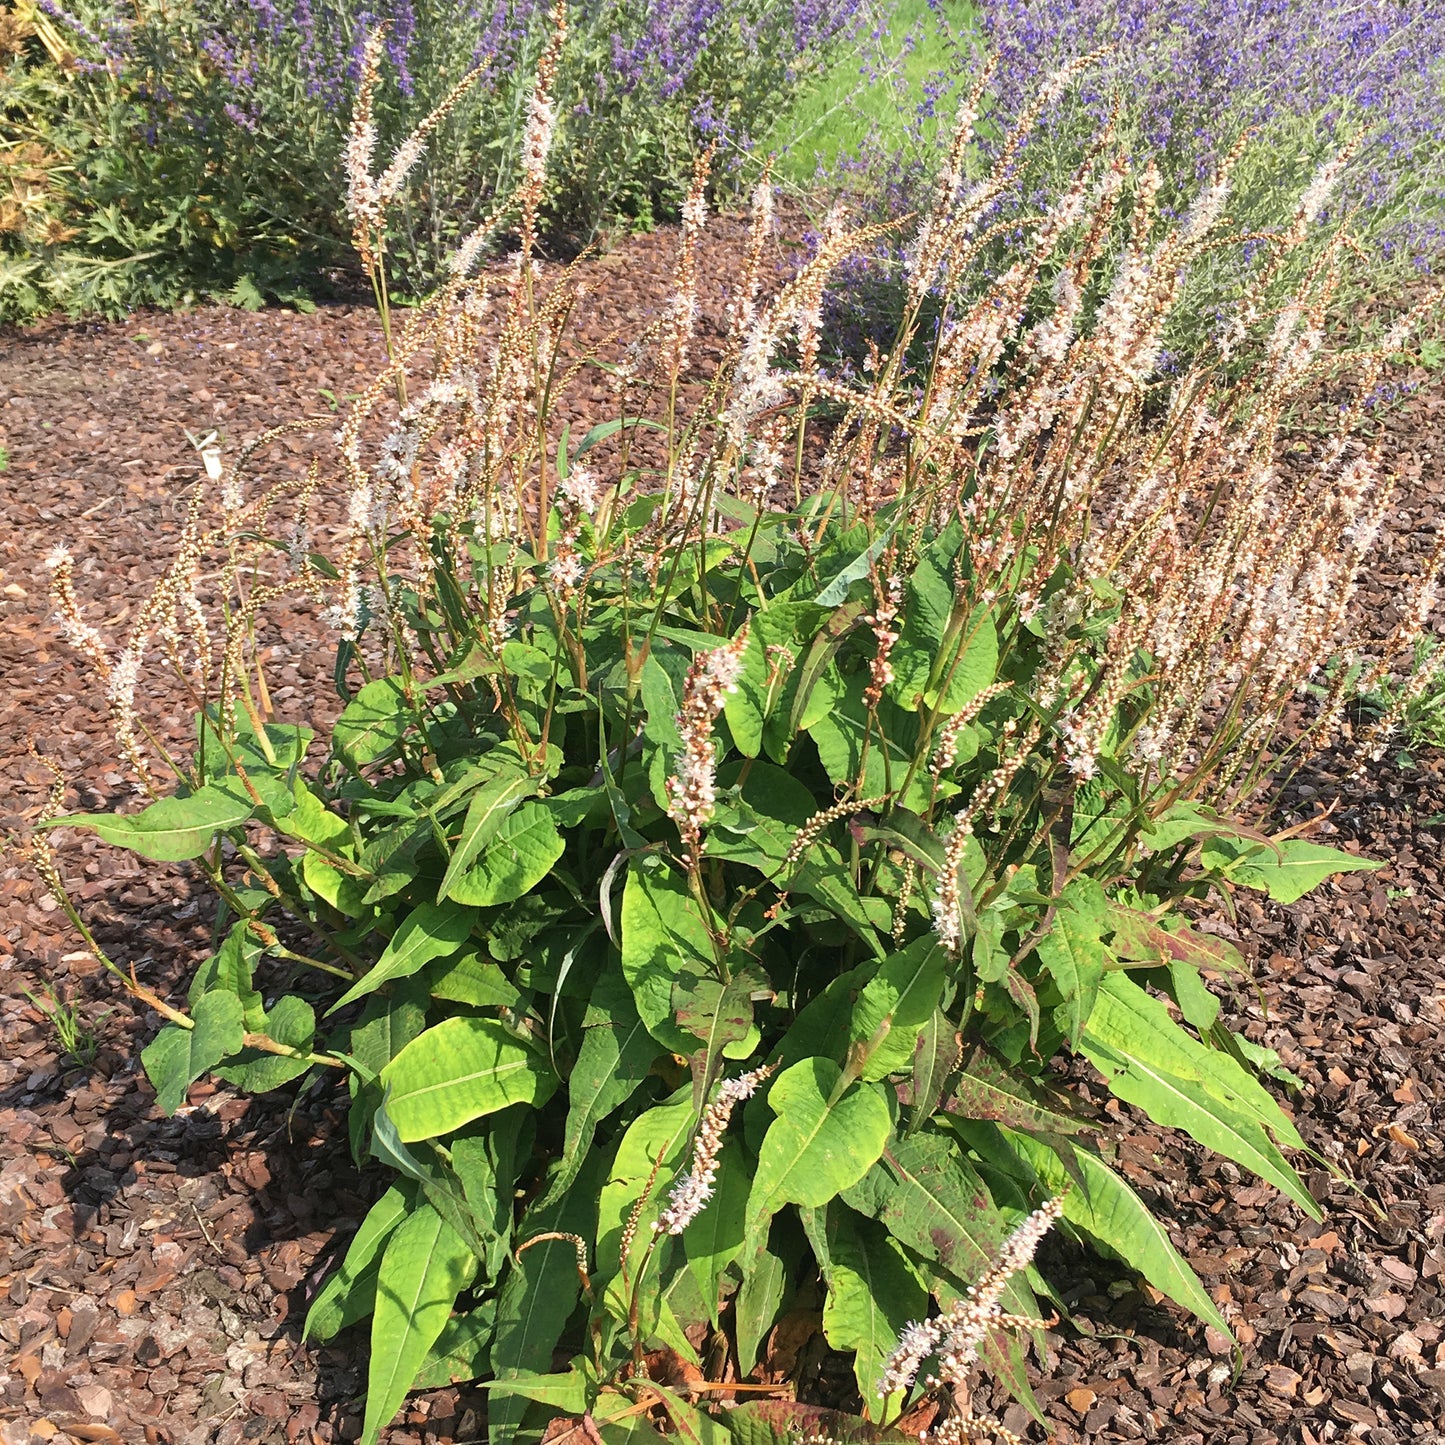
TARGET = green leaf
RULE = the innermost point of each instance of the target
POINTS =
(652, 1149)
(817, 1146)
(1287, 875)
(229, 969)
(1139, 937)
(756, 1305)
(178, 1056)
(835, 593)
(312, 821)
(1108, 1210)
(893, 1008)
(715, 1238)
(469, 978)
(935, 1056)
(350, 1290)
(387, 1025)
(460, 1070)
(372, 723)
(988, 1088)
(566, 1392)
(488, 810)
(461, 1350)
(539, 1294)
(932, 1200)
(1183, 820)
(664, 941)
(170, 830)
(720, 1014)
(424, 1267)
(616, 1054)
(787, 628)
(874, 1293)
(1148, 1060)
(852, 750)
(517, 859)
(291, 1021)
(1074, 956)
(431, 930)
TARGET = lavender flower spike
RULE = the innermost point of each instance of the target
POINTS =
(693, 1189)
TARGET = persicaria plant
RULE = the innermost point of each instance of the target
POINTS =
(738, 811)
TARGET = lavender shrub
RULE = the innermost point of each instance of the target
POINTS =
(1186, 80)
(1198, 73)
(208, 134)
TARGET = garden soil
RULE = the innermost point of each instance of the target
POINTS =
(154, 1272)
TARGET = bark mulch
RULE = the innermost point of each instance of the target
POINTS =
(154, 1272)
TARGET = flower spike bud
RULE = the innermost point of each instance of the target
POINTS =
(691, 790)
(693, 1189)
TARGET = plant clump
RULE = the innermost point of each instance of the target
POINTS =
(739, 812)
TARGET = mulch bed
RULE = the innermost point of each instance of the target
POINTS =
(154, 1272)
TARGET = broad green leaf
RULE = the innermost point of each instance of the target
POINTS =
(485, 1167)
(625, 1429)
(350, 1290)
(343, 891)
(372, 723)
(932, 1200)
(229, 969)
(170, 830)
(469, 978)
(874, 1293)
(1107, 1209)
(653, 1148)
(879, 766)
(1286, 875)
(387, 1025)
(659, 701)
(755, 1306)
(663, 942)
(565, 1392)
(312, 821)
(424, 1267)
(178, 1056)
(429, 932)
(835, 592)
(539, 1294)
(714, 1239)
(458, 1071)
(291, 1021)
(1074, 956)
(988, 1088)
(488, 810)
(816, 1146)
(1183, 820)
(461, 1351)
(616, 1054)
(1199, 1007)
(893, 1008)
(940, 661)
(936, 1055)
(1133, 1019)
(1148, 1060)
(1138, 937)
(720, 1014)
(518, 858)
(777, 639)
